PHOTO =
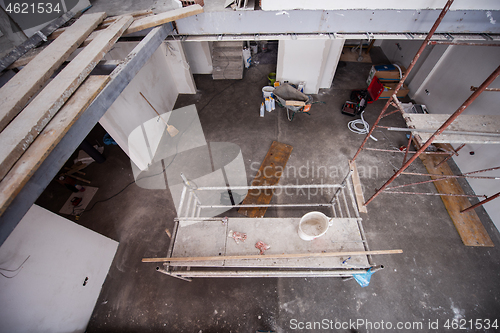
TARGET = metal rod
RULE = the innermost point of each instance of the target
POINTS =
(268, 205)
(435, 42)
(407, 148)
(447, 176)
(338, 203)
(188, 205)
(388, 114)
(181, 201)
(353, 200)
(275, 256)
(450, 120)
(417, 183)
(333, 209)
(271, 187)
(481, 203)
(345, 205)
(347, 272)
(484, 170)
(438, 194)
(430, 130)
(472, 88)
(410, 152)
(450, 156)
(408, 70)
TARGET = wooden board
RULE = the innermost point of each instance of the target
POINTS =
(16, 93)
(358, 189)
(273, 165)
(107, 22)
(159, 19)
(468, 225)
(52, 134)
(22, 131)
(464, 123)
(153, 21)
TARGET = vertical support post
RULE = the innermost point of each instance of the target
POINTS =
(408, 70)
(447, 123)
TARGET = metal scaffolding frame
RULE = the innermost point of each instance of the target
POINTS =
(342, 204)
(393, 101)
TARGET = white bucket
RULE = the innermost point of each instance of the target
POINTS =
(313, 225)
(267, 91)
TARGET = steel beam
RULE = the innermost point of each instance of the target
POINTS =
(120, 78)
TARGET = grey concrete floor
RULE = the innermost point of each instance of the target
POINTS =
(437, 278)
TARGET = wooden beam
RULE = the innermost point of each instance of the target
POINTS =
(16, 93)
(159, 19)
(358, 189)
(107, 22)
(469, 227)
(276, 256)
(51, 135)
(120, 78)
(22, 131)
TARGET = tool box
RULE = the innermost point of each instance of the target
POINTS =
(360, 98)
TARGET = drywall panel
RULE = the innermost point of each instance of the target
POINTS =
(330, 65)
(303, 60)
(130, 110)
(199, 57)
(56, 288)
(179, 66)
(447, 86)
(376, 4)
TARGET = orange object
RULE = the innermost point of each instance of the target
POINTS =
(306, 108)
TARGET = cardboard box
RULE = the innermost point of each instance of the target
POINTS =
(389, 91)
(385, 73)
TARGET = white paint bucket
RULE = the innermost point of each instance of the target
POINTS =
(313, 225)
(267, 91)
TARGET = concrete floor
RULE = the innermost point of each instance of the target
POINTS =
(437, 278)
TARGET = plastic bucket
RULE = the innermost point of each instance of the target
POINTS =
(267, 91)
(272, 78)
(313, 225)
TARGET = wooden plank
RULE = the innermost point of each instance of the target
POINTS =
(21, 132)
(120, 78)
(468, 225)
(51, 135)
(107, 22)
(26, 58)
(152, 21)
(358, 189)
(277, 256)
(16, 93)
(34, 41)
(269, 173)
(295, 103)
(159, 19)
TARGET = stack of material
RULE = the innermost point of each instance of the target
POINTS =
(38, 110)
(227, 60)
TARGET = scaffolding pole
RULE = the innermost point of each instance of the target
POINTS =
(408, 70)
(447, 123)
